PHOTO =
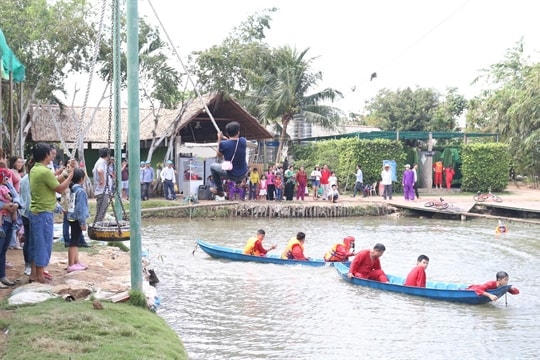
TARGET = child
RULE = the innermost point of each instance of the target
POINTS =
(77, 215)
(501, 279)
(5, 196)
(262, 188)
(278, 184)
(254, 181)
(334, 194)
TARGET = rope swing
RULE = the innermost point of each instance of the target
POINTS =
(185, 70)
(109, 230)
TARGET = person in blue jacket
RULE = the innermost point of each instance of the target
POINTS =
(76, 215)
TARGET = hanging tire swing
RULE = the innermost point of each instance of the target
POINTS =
(109, 230)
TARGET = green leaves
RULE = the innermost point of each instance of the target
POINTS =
(51, 39)
(485, 166)
(416, 110)
(509, 106)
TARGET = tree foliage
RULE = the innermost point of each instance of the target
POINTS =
(484, 166)
(239, 63)
(158, 81)
(274, 84)
(288, 91)
(509, 106)
(416, 110)
(51, 38)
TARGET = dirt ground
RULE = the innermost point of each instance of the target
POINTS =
(108, 271)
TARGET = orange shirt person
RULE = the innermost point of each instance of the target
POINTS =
(366, 264)
(449, 176)
(417, 276)
(438, 169)
(255, 247)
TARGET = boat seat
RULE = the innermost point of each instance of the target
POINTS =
(452, 286)
(441, 286)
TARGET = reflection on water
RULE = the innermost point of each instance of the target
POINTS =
(231, 310)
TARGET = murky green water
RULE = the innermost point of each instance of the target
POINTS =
(231, 310)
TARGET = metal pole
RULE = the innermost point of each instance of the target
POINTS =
(132, 19)
(1, 115)
(117, 108)
(22, 121)
(429, 163)
(11, 132)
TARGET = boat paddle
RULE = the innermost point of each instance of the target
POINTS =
(195, 249)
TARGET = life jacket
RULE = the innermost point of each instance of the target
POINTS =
(287, 254)
(249, 249)
(334, 255)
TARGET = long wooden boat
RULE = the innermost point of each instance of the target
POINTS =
(452, 292)
(222, 252)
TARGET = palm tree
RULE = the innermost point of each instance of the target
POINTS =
(286, 93)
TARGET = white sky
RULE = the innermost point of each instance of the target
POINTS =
(409, 43)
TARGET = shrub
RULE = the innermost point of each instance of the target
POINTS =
(484, 166)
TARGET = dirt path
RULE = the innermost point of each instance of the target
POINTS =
(108, 270)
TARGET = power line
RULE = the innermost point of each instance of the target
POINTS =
(416, 42)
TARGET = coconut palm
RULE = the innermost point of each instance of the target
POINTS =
(286, 92)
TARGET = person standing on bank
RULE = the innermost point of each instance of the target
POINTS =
(290, 180)
(43, 188)
(386, 180)
(415, 186)
(408, 183)
(125, 179)
(147, 179)
(102, 183)
(233, 150)
(76, 215)
(168, 176)
(359, 183)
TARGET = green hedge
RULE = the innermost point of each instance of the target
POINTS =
(483, 166)
(343, 155)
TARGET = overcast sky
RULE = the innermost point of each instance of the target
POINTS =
(408, 43)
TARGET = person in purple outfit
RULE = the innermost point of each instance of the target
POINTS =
(408, 183)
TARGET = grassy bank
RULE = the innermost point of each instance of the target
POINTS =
(57, 329)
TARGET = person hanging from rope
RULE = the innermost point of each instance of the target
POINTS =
(233, 150)
(102, 183)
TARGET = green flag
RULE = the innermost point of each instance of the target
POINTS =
(10, 63)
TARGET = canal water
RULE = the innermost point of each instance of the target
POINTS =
(233, 310)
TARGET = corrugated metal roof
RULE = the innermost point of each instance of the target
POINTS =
(402, 135)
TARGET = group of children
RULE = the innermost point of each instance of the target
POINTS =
(366, 263)
(279, 185)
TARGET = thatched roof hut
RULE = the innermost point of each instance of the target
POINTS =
(191, 122)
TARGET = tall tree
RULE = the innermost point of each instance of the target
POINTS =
(422, 109)
(509, 106)
(273, 84)
(288, 91)
(236, 66)
(52, 39)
